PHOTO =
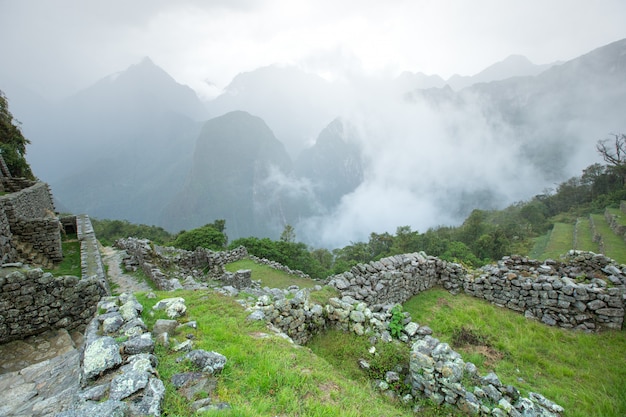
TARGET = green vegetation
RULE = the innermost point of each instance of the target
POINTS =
(71, 263)
(270, 277)
(108, 231)
(395, 324)
(13, 143)
(560, 241)
(584, 238)
(583, 372)
(265, 375)
(614, 246)
(210, 236)
(294, 255)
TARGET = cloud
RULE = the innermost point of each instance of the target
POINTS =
(423, 164)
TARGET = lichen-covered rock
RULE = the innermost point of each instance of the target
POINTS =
(174, 307)
(151, 399)
(101, 355)
(138, 344)
(210, 362)
(109, 408)
(127, 383)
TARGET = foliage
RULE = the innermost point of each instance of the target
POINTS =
(295, 255)
(108, 231)
(207, 236)
(395, 323)
(13, 143)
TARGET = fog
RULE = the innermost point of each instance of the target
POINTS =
(422, 167)
(429, 155)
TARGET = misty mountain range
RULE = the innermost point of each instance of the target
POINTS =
(335, 159)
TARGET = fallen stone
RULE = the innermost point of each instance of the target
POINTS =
(210, 362)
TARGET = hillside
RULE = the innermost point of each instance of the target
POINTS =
(596, 233)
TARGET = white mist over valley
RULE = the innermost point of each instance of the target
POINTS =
(324, 141)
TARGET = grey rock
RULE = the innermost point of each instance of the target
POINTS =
(139, 344)
(109, 408)
(127, 384)
(174, 307)
(112, 324)
(164, 326)
(256, 315)
(151, 399)
(100, 356)
(210, 362)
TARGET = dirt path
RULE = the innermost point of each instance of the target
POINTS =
(126, 283)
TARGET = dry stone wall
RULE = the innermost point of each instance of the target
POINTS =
(32, 301)
(202, 264)
(27, 216)
(586, 292)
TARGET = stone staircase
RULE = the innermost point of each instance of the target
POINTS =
(28, 254)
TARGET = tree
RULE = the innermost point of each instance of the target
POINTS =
(13, 143)
(206, 237)
(613, 151)
(288, 234)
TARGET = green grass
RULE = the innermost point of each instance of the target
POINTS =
(270, 277)
(264, 376)
(70, 265)
(560, 242)
(584, 238)
(585, 373)
(614, 246)
(540, 246)
(620, 215)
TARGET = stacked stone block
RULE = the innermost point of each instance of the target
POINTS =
(33, 301)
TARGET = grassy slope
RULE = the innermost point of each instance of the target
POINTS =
(583, 372)
(614, 246)
(264, 376)
(561, 240)
(270, 277)
(584, 238)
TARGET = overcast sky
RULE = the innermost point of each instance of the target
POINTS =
(57, 47)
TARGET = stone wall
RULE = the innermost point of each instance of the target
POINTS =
(615, 224)
(585, 292)
(202, 264)
(397, 278)
(434, 369)
(32, 301)
(27, 217)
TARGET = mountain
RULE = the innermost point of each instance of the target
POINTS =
(553, 118)
(120, 147)
(512, 66)
(297, 105)
(333, 164)
(235, 154)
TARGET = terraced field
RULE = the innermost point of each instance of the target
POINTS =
(593, 233)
